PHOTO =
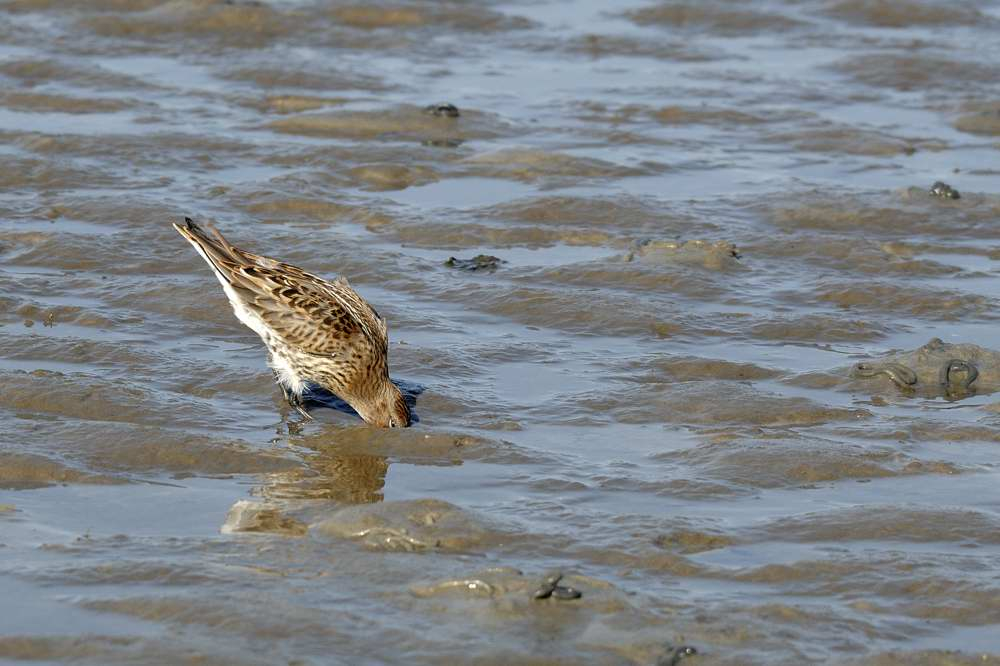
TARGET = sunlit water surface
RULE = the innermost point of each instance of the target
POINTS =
(670, 424)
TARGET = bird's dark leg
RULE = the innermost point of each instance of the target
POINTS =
(293, 399)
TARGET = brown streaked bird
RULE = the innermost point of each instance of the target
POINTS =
(315, 331)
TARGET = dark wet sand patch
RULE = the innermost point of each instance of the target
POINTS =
(847, 140)
(719, 18)
(688, 277)
(85, 5)
(599, 46)
(23, 470)
(84, 397)
(470, 234)
(469, 18)
(692, 541)
(284, 104)
(49, 103)
(918, 72)
(631, 215)
(896, 216)
(693, 368)
(243, 25)
(927, 658)
(705, 115)
(851, 257)
(888, 523)
(935, 304)
(272, 207)
(980, 118)
(796, 462)
(404, 123)
(530, 166)
(34, 174)
(33, 72)
(691, 403)
(386, 177)
(905, 13)
(303, 77)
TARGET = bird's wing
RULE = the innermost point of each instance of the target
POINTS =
(307, 311)
(304, 310)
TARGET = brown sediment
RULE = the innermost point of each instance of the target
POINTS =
(19, 470)
(28, 173)
(534, 165)
(602, 46)
(382, 177)
(475, 235)
(407, 123)
(689, 403)
(41, 103)
(691, 541)
(897, 217)
(980, 118)
(853, 141)
(454, 17)
(906, 524)
(240, 24)
(904, 14)
(283, 209)
(794, 461)
(689, 368)
(91, 5)
(711, 17)
(628, 214)
(319, 79)
(33, 72)
(855, 256)
(928, 658)
(680, 115)
(930, 303)
(909, 72)
(296, 103)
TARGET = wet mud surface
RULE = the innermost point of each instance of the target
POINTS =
(701, 336)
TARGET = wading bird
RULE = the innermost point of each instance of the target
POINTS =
(316, 331)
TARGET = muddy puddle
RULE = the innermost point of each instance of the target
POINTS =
(683, 319)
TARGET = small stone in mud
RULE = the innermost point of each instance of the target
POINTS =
(674, 655)
(481, 262)
(550, 587)
(444, 109)
(28, 323)
(944, 190)
(442, 143)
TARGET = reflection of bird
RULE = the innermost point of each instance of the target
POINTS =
(315, 331)
(352, 478)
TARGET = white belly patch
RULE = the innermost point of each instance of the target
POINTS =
(286, 374)
(278, 362)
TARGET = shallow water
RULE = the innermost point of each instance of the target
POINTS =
(669, 423)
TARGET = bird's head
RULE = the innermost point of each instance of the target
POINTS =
(387, 410)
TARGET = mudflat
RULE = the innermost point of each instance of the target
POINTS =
(629, 254)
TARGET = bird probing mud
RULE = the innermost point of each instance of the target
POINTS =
(316, 331)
